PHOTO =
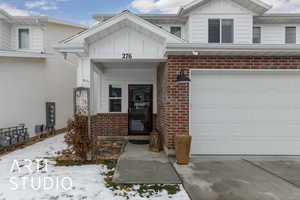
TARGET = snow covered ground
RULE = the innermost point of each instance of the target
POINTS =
(56, 183)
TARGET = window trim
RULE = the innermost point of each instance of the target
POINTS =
(18, 38)
(220, 37)
(260, 34)
(115, 98)
(176, 26)
(285, 29)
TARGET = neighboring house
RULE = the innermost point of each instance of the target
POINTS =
(244, 66)
(32, 72)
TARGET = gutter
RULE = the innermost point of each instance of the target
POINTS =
(76, 48)
(231, 49)
(23, 54)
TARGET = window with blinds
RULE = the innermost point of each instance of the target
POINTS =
(214, 31)
(256, 35)
(23, 37)
(220, 30)
(290, 35)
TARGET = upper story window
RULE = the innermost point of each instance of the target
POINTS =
(290, 35)
(256, 35)
(220, 30)
(176, 30)
(115, 98)
(214, 31)
(23, 37)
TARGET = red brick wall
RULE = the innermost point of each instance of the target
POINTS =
(110, 124)
(162, 77)
(175, 104)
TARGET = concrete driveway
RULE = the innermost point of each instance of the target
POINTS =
(241, 179)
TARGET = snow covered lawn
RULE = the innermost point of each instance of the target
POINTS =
(82, 182)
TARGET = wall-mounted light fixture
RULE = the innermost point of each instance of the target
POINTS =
(181, 78)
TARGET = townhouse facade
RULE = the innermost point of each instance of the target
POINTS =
(225, 72)
(32, 72)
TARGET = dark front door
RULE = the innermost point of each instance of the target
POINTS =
(140, 109)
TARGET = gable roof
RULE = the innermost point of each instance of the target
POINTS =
(125, 15)
(36, 19)
(256, 6)
(5, 14)
(153, 18)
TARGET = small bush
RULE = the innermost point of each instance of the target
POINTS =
(77, 137)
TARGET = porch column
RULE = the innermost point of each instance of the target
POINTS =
(84, 71)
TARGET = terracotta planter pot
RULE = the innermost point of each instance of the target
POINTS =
(183, 147)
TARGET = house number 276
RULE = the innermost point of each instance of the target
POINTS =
(126, 56)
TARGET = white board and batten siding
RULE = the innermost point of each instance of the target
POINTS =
(36, 37)
(245, 112)
(137, 43)
(220, 9)
(121, 74)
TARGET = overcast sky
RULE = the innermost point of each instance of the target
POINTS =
(80, 10)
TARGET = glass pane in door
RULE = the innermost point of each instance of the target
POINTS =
(140, 109)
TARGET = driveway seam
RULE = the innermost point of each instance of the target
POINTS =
(271, 173)
(180, 178)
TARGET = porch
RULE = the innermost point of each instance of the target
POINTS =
(124, 97)
(123, 62)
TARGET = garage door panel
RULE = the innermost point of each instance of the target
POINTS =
(228, 97)
(241, 110)
(238, 129)
(261, 148)
(251, 129)
(229, 113)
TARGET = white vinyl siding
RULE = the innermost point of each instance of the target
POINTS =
(275, 33)
(220, 9)
(198, 28)
(5, 35)
(36, 37)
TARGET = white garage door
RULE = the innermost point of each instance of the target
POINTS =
(254, 113)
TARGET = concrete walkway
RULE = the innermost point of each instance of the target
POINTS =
(139, 166)
(241, 179)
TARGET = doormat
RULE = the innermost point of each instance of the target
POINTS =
(139, 142)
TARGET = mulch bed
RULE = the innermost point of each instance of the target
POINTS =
(108, 149)
(105, 151)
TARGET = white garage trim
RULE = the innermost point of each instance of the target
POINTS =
(227, 70)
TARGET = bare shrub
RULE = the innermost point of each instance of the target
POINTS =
(77, 137)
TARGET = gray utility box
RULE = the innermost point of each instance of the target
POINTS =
(50, 115)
